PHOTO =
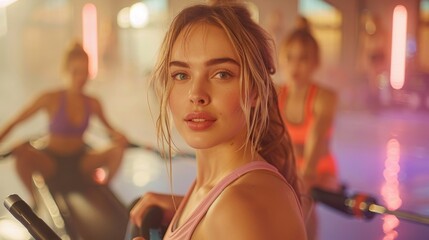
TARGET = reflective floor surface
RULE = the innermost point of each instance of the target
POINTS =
(385, 155)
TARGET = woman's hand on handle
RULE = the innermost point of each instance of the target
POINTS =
(118, 137)
(167, 202)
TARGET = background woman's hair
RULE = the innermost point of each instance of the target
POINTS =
(302, 34)
(302, 23)
(266, 132)
(75, 50)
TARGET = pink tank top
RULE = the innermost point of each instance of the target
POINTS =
(185, 231)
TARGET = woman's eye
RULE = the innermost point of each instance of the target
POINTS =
(179, 76)
(222, 75)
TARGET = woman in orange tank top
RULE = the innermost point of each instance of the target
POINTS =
(308, 111)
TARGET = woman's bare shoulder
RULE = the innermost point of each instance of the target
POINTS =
(50, 96)
(259, 205)
(325, 91)
(93, 102)
(326, 100)
(262, 183)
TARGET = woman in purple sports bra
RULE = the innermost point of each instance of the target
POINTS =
(69, 111)
(213, 79)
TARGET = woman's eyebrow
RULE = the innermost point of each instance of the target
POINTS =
(215, 61)
(178, 64)
(210, 62)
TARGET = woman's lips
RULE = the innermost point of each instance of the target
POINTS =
(199, 121)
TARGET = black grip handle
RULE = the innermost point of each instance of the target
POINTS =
(151, 228)
(335, 200)
(23, 213)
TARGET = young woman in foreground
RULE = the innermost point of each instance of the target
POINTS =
(213, 77)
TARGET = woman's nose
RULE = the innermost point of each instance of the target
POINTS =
(198, 94)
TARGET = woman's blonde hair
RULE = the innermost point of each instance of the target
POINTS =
(266, 133)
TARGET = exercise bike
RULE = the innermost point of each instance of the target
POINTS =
(75, 206)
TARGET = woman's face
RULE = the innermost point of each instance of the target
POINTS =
(205, 96)
(298, 62)
(78, 73)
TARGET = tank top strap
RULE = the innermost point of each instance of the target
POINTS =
(60, 114)
(311, 98)
(186, 230)
(63, 102)
(87, 105)
(217, 190)
(281, 96)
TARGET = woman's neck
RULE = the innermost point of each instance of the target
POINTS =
(214, 164)
(74, 92)
(295, 86)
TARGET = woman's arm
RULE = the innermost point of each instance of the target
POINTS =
(318, 140)
(167, 202)
(97, 109)
(28, 111)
